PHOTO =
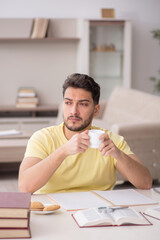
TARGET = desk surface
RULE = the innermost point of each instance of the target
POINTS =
(60, 225)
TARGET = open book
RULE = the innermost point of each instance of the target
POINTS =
(153, 212)
(107, 216)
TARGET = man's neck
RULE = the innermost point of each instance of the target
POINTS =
(69, 134)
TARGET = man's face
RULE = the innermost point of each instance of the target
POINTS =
(78, 109)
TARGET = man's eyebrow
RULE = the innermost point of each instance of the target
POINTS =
(81, 100)
(68, 99)
(84, 100)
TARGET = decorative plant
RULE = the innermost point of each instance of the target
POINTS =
(156, 34)
(156, 80)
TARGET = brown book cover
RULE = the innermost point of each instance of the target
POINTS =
(26, 92)
(28, 100)
(14, 204)
(15, 222)
(26, 105)
(6, 233)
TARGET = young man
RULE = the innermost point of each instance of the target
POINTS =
(59, 158)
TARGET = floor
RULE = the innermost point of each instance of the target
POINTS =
(9, 177)
(9, 182)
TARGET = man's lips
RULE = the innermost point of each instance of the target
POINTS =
(72, 118)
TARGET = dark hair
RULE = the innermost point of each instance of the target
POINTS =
(85, 82)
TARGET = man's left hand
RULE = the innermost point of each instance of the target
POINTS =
(107, 147)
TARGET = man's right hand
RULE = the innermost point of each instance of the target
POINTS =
(79, 143)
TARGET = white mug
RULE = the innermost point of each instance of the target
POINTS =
(94, 137)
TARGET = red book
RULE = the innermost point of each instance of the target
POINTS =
(14, 204)
(15, 215)
(6, 233)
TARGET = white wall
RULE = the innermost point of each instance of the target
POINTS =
(144, 14)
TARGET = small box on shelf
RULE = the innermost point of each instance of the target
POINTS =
(108, 13)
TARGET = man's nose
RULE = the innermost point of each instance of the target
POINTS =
(74, 109)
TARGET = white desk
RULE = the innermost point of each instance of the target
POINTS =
(60, 225)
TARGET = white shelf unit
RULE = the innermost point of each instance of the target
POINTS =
(110, 54)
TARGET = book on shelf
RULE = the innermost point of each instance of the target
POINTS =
(26, 105)
(108, 216)
(14, 204)
(153, 212)
(27, 98)
(6, 233)
(26, 92)
(40, 26)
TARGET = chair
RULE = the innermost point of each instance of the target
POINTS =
(136, 116)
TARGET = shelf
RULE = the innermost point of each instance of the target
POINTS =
(38, 39)
(48, 29)
(40, 111)
(106, 51)
(104, 22)
(12, 108)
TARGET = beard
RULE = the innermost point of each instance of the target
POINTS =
(84, 125)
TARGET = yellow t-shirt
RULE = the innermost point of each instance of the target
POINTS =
(80, 172)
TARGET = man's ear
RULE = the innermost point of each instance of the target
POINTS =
(96, 110)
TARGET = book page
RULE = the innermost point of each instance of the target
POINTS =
(77, 200)
(125, 197)
(92, 216)
(127, 215)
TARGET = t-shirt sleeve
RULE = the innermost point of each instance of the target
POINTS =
(124, 147)
(38, 145)
(120, 142)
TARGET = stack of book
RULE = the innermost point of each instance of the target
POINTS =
(15, 215)
(27, 98)
(39, 29)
